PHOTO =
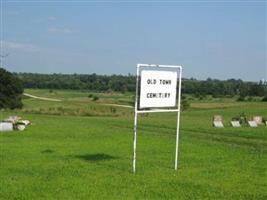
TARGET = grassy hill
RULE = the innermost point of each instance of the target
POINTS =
(82, 149)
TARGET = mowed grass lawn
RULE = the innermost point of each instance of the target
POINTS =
(78, 157)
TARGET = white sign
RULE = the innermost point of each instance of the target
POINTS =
(158, 88)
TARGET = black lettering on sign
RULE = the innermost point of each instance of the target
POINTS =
(151, 81)
(165, 82)
(158, 95)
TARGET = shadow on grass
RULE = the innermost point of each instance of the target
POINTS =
(96, 157)
(47, 151)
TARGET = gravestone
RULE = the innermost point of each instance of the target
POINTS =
(218, 121)
(235, 124)
(218, 124)
(217, 118)
(258, 119)
(252, 124)
(6, 126)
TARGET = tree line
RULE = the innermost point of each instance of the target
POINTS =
(12, 85)
(126, 83)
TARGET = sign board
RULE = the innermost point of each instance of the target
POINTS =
(158, 89)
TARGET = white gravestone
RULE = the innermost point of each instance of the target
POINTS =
(218, 124)
(258, 119)
(235, 124)
(6, 126)
(252, 124)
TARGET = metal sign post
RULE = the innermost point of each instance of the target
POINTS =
(158, 89)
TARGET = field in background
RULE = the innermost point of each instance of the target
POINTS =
(77, 103)
(82, 149)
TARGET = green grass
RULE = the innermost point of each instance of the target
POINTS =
(82, 96)
(79, 157)
(77, 103)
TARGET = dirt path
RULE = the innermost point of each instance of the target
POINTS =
(58, 100)
(41, 98)
(118, 105)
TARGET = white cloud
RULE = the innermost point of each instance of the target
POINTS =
(9, 45)
(59, 30)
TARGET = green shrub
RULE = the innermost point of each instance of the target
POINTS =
(184, 103)
(241, 98)
(264, 98)
(113, 110)
(95, 98)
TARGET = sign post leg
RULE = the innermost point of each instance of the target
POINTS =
(178, 120)
(134, 141)
(177, 142)
(135, 118)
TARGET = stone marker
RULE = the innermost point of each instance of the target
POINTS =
(21, 127)
(217, 118)
(235, 124)
(218, 121)
(218, 124)
(258, 119)
(252, 124)
(6, 126)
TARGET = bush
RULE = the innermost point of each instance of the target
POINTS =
(241, 98)
(113, 110)
(242, 118)
(264, 98)
(184, 103)
(95, 98)
(10, 90)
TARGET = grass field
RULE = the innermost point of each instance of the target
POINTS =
(81, 149)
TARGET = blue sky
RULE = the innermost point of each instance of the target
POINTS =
(210, 39)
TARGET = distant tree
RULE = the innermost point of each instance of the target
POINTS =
(184, 103)
(121, 83)
(257, 90)
(241, 98)
(10, 90)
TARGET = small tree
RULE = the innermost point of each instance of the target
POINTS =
(10, 90)
(264, 98)
(95, 98)
(184, 103)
